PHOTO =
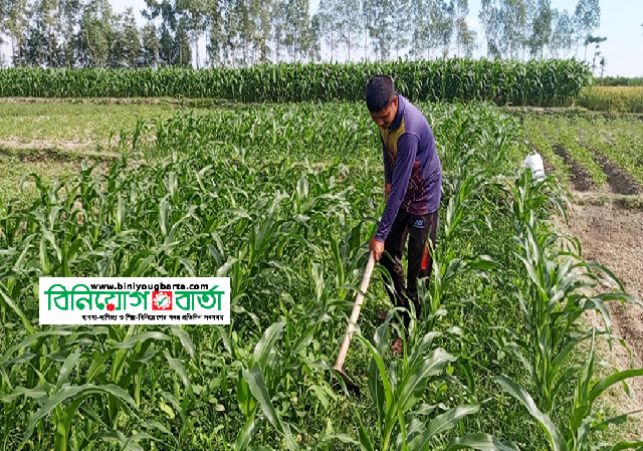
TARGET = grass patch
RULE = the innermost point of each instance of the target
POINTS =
(73, 125)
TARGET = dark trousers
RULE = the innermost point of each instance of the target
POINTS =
(418, 229)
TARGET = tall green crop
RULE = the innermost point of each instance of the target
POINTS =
(504, 82)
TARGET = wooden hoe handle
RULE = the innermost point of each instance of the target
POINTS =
(359, 300)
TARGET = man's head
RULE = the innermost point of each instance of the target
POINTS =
(381, 100)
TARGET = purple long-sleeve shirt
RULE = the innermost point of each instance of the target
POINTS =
(411, 165)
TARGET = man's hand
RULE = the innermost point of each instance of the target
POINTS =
(387, 191)
(377, 247)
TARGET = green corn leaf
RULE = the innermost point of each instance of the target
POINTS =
(482, 442)
(267, 343)
(18, 311)
(257, 386)
(245, 435)
(515, 390)
(35, 393)
(442, 423)
(432, 366)
(32, 339)
(185, 339)
(178, 367)
(67, 393)
(606, 382)
(66, 369)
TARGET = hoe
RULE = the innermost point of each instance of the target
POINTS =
(343, 350)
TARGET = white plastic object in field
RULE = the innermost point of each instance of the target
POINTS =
(535, 163)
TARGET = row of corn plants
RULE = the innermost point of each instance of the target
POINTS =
(255, 194)
(539, 83)
(553, 288)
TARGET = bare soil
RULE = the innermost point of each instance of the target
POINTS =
(580, 177)
(620, 181)
(49, 150)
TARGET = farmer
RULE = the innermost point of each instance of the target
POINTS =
(413, 189)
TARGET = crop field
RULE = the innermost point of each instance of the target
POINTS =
(283, 200)
(615, 99)
(593, 152)
(72, 126)
(535, 83)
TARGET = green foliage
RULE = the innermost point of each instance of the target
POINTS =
(618, 81)
(537, 83)
(282, 201)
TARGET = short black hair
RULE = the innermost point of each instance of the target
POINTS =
(380, 91)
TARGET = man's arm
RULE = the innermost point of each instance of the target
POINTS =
(407, 150)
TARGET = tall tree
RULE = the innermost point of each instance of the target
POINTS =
(176, 26)
(349, 24)
(130, 39)
(421, 26)
(401, 27)
(36, 38)
(369, 17)
(513, 20)
(490, 18)
(329, 25)
(151, 46)
(279, 28)
(587, 18)
(442, 18)
(297, 29)
(193, 13)
(43, 40)
(96, 33)
(597, 41)
(541, 29)
(465, 38)
(315, 35)
(261, 11)
(68, 23)
(382, 38)
(16, 24)
(563, 33)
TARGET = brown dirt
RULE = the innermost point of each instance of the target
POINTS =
(620, 181)
(580, 177)
(58, 151)
(613, 237)
(42, 144)
(98, 100)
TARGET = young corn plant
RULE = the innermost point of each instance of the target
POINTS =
(398, 391)
(549, 291)
(582, 419)
(107, 364)
(253, 393)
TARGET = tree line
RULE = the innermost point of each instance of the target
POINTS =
(88, 33)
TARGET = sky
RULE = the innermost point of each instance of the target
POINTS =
(620, 22)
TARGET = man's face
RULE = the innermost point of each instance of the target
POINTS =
(385, 117)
